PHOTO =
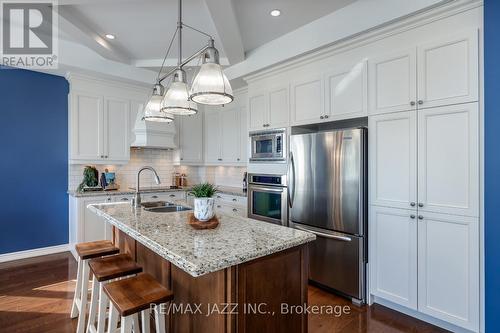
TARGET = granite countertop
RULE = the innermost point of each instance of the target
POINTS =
(198, 252)
(222, 189)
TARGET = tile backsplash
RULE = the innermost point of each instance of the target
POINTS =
(162, 162)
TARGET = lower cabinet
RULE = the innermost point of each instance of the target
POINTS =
(427, 262)
(231, 205)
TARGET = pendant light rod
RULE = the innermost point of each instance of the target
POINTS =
(186, 61)
(179, 26)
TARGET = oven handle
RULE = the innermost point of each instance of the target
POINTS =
(265, 189)
(291, 184)
(321, 234)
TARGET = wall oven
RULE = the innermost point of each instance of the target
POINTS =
(268, 146)
(267, 198)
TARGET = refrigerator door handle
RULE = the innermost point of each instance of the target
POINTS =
(321, 234)
(291, 180)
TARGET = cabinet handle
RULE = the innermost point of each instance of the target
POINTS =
(218, 197)
(238, 159)
(412, 204)
(235, 210)
(412, 216)
(326, 116)
(172, 195)
(420, 205)
(420, 217)
(219, 159)
(106, 156)
(102, 156)
(420, 102)
(182, 159)
(412, 103)
(234, 199)
(218, 206)
(124, 199)
(108, 199)
(322, 117)
(154, 197)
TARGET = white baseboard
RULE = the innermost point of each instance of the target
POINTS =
(34, 253)
(419, 315)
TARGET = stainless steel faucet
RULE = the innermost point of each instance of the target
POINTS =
(136, 202)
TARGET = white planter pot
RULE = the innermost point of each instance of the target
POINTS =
(204, 208)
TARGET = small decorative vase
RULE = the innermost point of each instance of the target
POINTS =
(204, 209)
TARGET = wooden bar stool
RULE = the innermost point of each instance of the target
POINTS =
(133, 295)
(87, 251)
(104, 270)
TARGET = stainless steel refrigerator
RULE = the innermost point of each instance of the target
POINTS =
(327, 179)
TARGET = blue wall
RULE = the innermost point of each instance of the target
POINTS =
(492, 162)
(34, 160)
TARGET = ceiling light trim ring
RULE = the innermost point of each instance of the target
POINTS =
(192, 96)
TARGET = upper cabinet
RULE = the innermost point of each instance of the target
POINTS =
(307, 99)
(101, 120)
(268, 108)
(190, 130)
(439, 73)
(393, 84)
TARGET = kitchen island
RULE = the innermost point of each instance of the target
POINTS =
(235, 278)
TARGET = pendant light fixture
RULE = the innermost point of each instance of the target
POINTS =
(210, 85)
(152, 111)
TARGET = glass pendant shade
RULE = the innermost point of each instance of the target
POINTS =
(211, 85)
(152, 111)
(176, 99)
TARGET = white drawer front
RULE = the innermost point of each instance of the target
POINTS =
(231, 210)
(222, 198)
(164, 196)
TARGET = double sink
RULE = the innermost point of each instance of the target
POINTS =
(163, 207)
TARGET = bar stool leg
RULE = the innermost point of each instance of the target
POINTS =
(76, 298)
(127, 324)
(84, 291)
(103, 305)
(145, 316)
(135, 322)
(159, 320)
(113, 319)
(93, 304)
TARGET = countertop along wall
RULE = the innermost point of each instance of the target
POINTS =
(34, 167)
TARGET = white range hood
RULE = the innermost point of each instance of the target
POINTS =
(150, 134)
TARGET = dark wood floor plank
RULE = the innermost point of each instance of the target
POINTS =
(36, 296)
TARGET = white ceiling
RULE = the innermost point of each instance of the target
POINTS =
(257, 27)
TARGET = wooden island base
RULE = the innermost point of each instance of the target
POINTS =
(244, 298)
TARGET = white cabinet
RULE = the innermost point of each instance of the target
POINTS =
(230, 135)
(244, 139)
(439, 73)
(99, 129)
(346, 92)
(393, 159)
(393, 82)
(268, 108)
(448, 70)
(448, 268)
(307, 100)
(116, 130)
(448, 159)
(190, 131)
(231, 205)
(213, 136)
(393, 255)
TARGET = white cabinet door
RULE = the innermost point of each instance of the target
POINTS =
(393, 159)
(307, 103)
(393, 255)
(346, 92)
(257, 111)
(448, 159)
(94, 227)
(87, 116)
(212, 136)
(191, 139)
(230, 127)
(244, 139)
(448, 71)
(448, 268)
(393, 82)
(116, 134)
(278, 107)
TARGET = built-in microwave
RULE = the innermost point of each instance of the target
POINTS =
(268, 146)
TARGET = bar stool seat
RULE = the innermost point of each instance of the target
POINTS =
(95, 249)
(133, 295)
(87, 251)
(106, 269)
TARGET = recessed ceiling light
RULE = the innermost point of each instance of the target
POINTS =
(275, 12)
(110, 36)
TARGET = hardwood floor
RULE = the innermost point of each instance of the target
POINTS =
(36, 296)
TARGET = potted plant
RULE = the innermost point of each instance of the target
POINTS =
(203, 201)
